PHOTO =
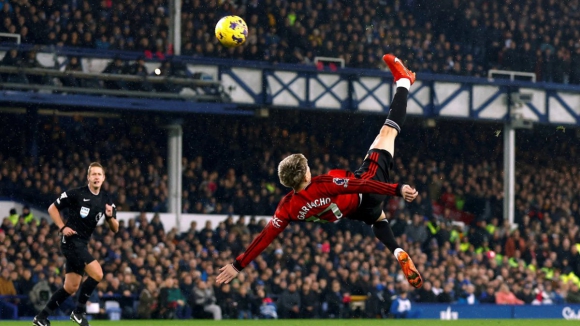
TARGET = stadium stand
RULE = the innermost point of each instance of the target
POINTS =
(465, 38)
(331, 266)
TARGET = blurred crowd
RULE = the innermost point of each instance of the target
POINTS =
(464, 38)
(455, 230)
(310, 271)
(126, 25)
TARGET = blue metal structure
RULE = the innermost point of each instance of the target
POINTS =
(259, 84)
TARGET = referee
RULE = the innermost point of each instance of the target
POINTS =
(87, 205)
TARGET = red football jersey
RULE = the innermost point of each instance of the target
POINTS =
(328, 198)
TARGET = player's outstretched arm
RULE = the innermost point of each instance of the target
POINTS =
(336, 186)
(261, 242)
(409, 193)
(227, 274)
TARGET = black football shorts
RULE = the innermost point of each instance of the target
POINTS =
(77, 255)
(376, 166)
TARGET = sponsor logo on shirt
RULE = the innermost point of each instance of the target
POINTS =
(276, 222)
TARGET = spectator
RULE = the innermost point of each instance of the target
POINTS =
(289, 303)
(115, 67)
(13, 217)
(31, 62)
(139, 69)
(469, 296)
(128, 289)
(310, 302)
(505, 296)
(489, 296)
(6, 284)
(225, 299)
(573, 294)
(447, 296)
(70, 81)
(148, 306)
(333, 301)
(205, 299)
(27, 215)
(402, 308)
(425, 294)
(416, 232)
(243, 302)
(267, 307)
(526, 295)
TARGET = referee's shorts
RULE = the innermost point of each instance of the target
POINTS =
(76, 253)
(376, 166)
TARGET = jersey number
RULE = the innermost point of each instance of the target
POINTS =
(332, 207)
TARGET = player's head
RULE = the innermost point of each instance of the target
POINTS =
(95, 175)
(293, 171)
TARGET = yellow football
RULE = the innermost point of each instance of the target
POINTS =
(231, 31)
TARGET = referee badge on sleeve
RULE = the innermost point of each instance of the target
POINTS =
(85, 211)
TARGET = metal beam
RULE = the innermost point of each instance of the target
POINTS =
(174, 169)
(509, 170)
(112, 92)
(175, 25)
(102, 76)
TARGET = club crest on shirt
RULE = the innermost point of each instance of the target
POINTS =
(85, 211)
(340, 182)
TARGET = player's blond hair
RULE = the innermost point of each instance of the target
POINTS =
(292, 170)
(95, 165)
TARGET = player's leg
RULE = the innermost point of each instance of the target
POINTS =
(404, 78)
(72, 280)
(383, 232)
(95, 275)
(385, 140)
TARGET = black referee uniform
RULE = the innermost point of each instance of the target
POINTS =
(85, 211)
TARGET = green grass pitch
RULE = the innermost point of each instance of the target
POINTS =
(318, 322)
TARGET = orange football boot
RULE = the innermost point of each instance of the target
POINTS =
(398, 69)
(411, 272)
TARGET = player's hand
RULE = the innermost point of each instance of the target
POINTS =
(108, 210)
(67, 232)
(409, 193)
(227, 273)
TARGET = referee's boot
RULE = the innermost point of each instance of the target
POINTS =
(39, 321)
(398, 69)
(80, 319)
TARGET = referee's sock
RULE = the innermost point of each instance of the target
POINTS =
(89, 285)
(398, 109)
(383, 232)
(57, 298)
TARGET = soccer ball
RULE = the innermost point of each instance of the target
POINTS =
(231, 31)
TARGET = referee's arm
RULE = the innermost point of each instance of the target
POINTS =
(55, 216)
(111, 217)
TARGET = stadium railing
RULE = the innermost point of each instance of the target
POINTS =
(199, 87)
